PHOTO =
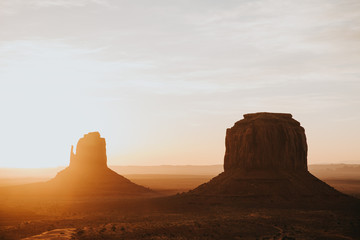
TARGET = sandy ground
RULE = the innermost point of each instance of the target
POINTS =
(56, 234)
(107, 218)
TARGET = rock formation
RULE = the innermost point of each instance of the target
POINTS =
(266, 141)
(88, 173)
(90, 152)
(266, 156)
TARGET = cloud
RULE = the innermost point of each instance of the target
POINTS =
(238, 42)
(50, 3)
(14, 7)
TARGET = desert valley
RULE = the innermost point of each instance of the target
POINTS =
(265, 190)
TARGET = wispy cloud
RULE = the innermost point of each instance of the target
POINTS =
(13, 7)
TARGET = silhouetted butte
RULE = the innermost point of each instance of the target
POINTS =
(88, 172)
(266, 158)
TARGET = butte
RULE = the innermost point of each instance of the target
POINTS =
(88, 173)
(266, 160)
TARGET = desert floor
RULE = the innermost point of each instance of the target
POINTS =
(179, 216)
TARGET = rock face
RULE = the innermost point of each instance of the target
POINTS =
(90, 152)
(88, 173)
(266, 141)
(266, 160)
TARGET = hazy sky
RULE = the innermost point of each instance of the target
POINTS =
(162, 80)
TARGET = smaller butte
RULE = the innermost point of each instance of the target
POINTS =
(88, 173)
(90, 152)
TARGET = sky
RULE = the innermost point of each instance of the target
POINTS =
(163, 80)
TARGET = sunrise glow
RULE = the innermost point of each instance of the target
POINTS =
(163, 81)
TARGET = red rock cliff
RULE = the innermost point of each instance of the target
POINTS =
(266, 141)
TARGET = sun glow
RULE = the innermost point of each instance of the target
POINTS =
(169, 99)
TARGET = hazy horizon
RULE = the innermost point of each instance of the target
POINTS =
(7, 173)
(162, 81)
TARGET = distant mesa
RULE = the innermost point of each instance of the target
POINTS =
(266, 156)
(88, 172)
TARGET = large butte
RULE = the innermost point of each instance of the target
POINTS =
(266, 158)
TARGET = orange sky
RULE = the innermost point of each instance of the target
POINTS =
(162, 80)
